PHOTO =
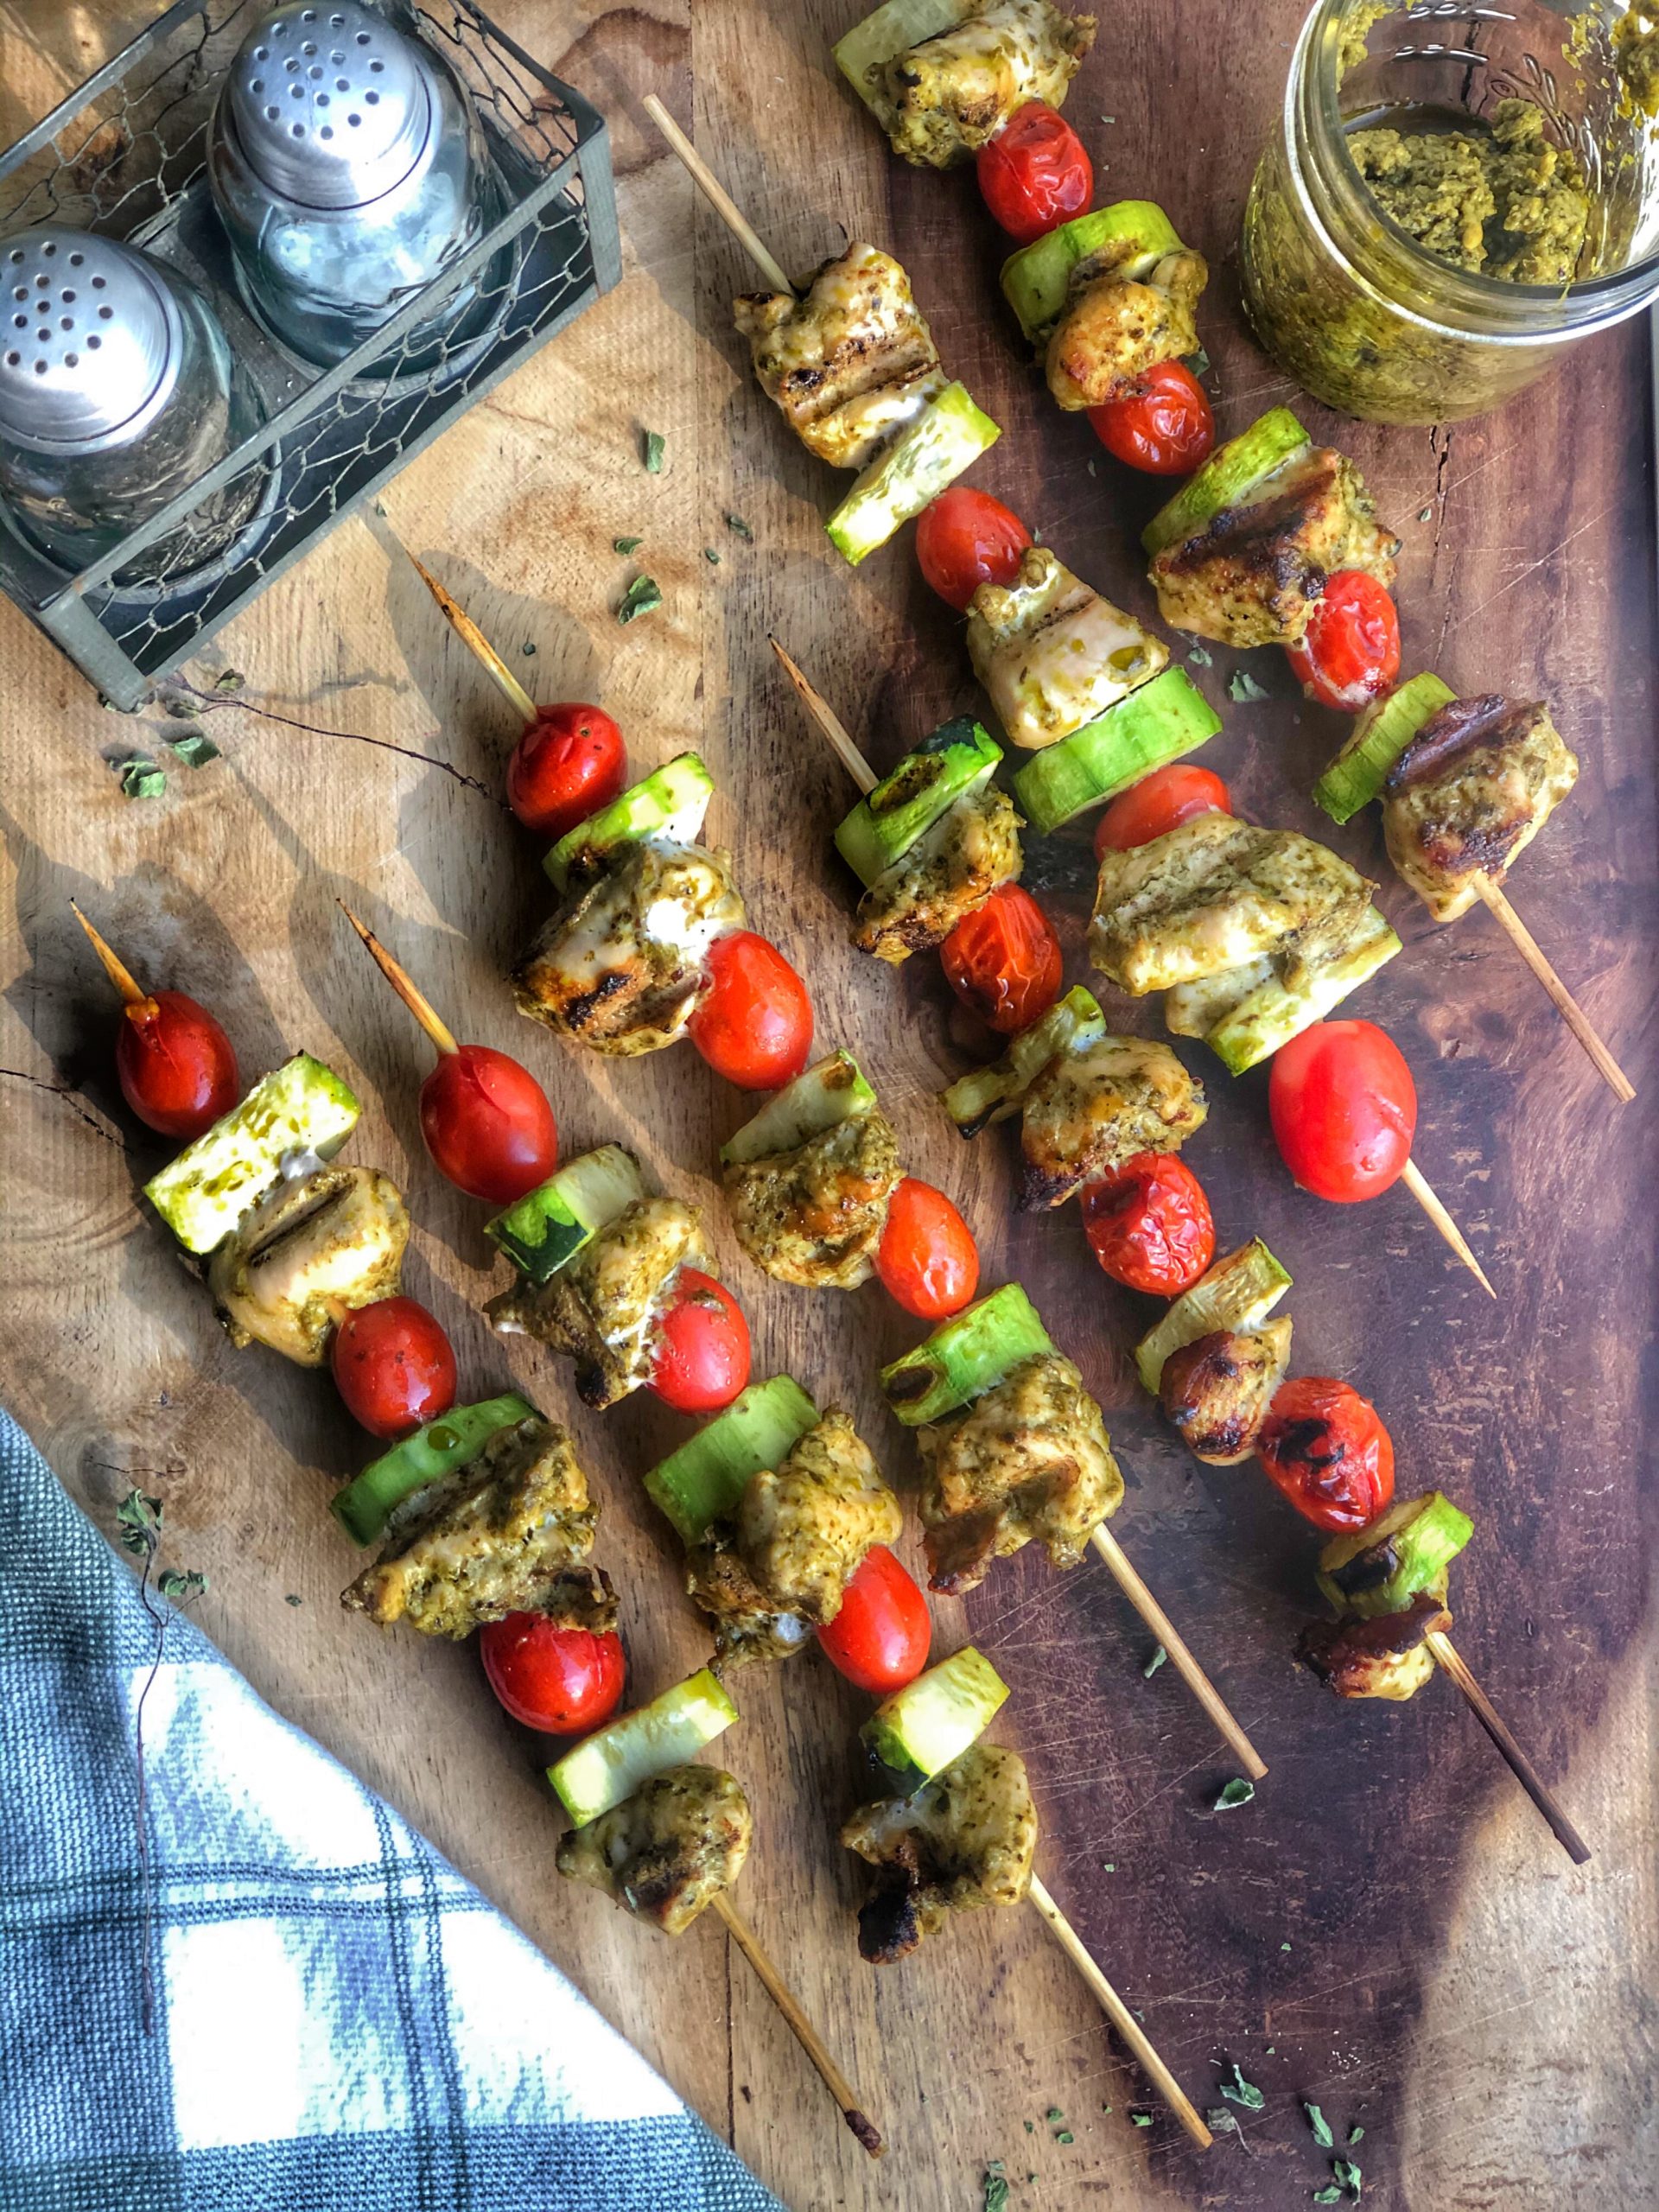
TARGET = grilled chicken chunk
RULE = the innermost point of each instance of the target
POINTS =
(951, 94)
(949, 871)
(1089, 1112)
(851, 362)
(1470, 793)
(496, 1537)
(814, 1215)
(1113, 330)
(334, 1237)
(603, 1307)
(964, 1840)
(1052, 653)
(1029, 1458)
(668, 1850)
(1386, 1656)
(1212, 895)
(1250, 576)
(621, 965)
(1218, 1389)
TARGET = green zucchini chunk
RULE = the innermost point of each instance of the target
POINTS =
(991, 1094)
(615, 1760)
(1238, 1292)
(299, 1107)
(929, 455)
(956, 761)
(704, 1479)
(1379, 737)
(670, 804)
(364, 1507)
(1036, 279)
(866, 50)
(921, 1728)
(1155, 724)
(1404, 1556)
(965, 1356)
(832, 1091)
(1274, 1011)
(550, 1224)
(1226, 477)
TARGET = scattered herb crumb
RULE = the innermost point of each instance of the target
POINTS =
(1284, 1946)
(1159, 1655)
(230, 679)
(1243, 687)
(195, 750)
(656, 447)
(641, 596)
(180, 705)
(1321, 2126)
(1065, 2136)
(142, 778)
(1236, 1792)
(1109, 1866)
(626, 545)
(529, 652)
(1142, 2118)
(1329, 2194)
(711, 556)
(1425, 514)
(1031, 2127)
(1356, 2134)
(1092, 468)
(1200, 657)
(1053, 2113)
(739, 528)
(1238, 2091)
(1348, 2174)
(1219, 2119)
(1271, 2051)
(292, 1600)
(1199, 363)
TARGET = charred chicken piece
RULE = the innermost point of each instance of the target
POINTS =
(497, 1537)
(1386, 1656)
(668, 1850)
(1217, 1391)
(1089, 1112)
(332, 1238)
(949, 872)
(622, 965)
(851, 363)
(1213, 894)
(950, 95)
(1113, 330)
(1052, 653)
(1252, 574)
(1470, 793)
(1029, 1458)
(964, 1840)
(814, 1215)
(603, 1308)
(746, 1625)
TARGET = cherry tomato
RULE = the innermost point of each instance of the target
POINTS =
(1158, 803)
(1162, 425)
(394, 1367)
(878, 1639)
(1149, 1225)
(753, 1024)
(487, 1124)
(927, 1259)
(1350, 653)
(1035, 174)
(562, 1680)
(176, 1067)
(570, 762)
(703, 1356)
(1325, 1448)
(966, 538)
(1003, 960)
(1344, 1108)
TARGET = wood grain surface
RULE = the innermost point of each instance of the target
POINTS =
(1388, 1929)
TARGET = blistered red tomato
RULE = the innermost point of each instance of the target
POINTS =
(176, 1067)
(1163, 425)
(562, 1680)
(966, 538)
(487, 1124)
(1004, 960)
(394, 1367)
(1326, 1448)
(1158, 803)
(570, 762)
(703, 1350)
(1035, 174)
(878, 1639)
(1350, 653)
(1344, 1108)
(927, 1259)
(753, 1024)
(1149, 1225)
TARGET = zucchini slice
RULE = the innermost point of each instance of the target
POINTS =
(1157, 723)
(670, 804)
(921, 1728)
(866, 50)
(1379, 737)
(1036, 279)
(704, 1479)
(1238, 1292)
(612, 1762)
(956, 761)
(299, 1107)
(831, 1092)
(965, 1356)
(364, 1507)
(1273, 1013)
(1406, 1553)
(991, 1094)
(949, 436)
(550, 1224)
(1225, 478)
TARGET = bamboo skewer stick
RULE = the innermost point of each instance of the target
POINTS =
(1525, 1773)
(132, 993)
(805, 2033)
(404, 984)
(718, 197)
(1423, 1191)
(471, 636)
(1120, 2015)
(1566, 1005)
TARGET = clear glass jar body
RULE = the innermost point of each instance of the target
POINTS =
(1350, 304)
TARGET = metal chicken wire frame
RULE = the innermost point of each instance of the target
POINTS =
(324, 454)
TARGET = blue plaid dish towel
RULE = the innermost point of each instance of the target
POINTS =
(338, 2023)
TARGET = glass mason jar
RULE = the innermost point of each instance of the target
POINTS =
(1350, 305)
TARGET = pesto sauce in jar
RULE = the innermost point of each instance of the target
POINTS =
(1498, 198)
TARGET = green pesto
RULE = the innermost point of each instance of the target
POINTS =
(1498, 199)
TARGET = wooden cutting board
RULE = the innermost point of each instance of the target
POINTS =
(1388, 1929)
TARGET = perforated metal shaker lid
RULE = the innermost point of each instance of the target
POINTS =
(93, 341)
(332, 106)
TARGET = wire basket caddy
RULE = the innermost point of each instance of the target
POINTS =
(125, 154)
